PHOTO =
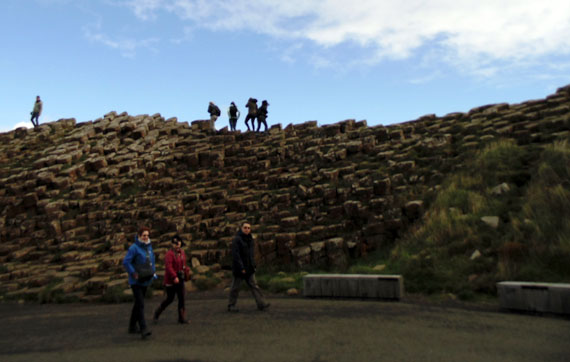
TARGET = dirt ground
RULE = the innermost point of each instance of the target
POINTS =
(293, 329)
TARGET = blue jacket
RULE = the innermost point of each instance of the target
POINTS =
(137, 255)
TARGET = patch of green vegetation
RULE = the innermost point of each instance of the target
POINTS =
(52, 293)
(454, 251)
(206, 282)
(130, 191)
(116, 294)
(280, 282)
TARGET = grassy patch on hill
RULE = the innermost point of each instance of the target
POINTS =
(454, 251)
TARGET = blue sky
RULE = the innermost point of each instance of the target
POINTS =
(325, 60)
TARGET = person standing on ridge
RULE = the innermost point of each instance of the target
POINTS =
(36, 112)
(243, 268)
(233, 115)
(262, 115)
(214, 114)
(251, 113)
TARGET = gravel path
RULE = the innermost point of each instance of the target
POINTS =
(293, 329)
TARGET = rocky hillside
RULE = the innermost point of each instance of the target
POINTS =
(73, 195)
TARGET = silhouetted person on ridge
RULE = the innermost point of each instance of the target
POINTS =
(262, 115)
(252, 113)
(233, 115)
(214, 114)
(36, 112)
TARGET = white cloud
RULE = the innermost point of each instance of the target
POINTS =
(24, 124)
(470, 33)
(126, 46)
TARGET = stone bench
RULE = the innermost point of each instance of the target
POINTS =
(353, 286)
(535, 297)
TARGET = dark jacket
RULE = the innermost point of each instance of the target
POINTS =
(213, 109)
(233, 112)
(137, 255)
(242, 255)
(252, 106)
(262, 111)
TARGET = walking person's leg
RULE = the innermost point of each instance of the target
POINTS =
(247, 118)
(234, 293)
(36, 117)
(181, 293)
(138, 309)
(170, 292)
(256, 292)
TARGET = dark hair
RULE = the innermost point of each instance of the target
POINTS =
(243, 223)
(142, 229)
(176, 237)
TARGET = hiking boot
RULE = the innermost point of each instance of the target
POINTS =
(263, 306)
(182, 316)
(232, 308)
(157, 314)
(145, 333)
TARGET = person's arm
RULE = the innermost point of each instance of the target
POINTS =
(128, 262)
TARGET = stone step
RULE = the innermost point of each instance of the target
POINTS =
(354, 286)
(535, 297)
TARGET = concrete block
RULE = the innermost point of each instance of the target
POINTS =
(353, 286)
(535, 297)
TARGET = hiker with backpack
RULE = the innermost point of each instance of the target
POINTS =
(214, 114)
(262, 115)
(251, 113)
(233, 115)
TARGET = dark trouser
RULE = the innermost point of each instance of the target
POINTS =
(137, 314)
(252, 283)
(261, 119)
(171, 291)
(233, 122)
(35, 116)
(247, 118)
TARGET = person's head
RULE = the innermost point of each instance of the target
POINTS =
(233, 104)
(245, 228)
(177, 242)
(212, 103)
(144, 234)
(265, 102)
(37, 98)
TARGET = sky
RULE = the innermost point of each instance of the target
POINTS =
(383, 61)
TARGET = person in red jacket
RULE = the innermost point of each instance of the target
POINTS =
(174, 276)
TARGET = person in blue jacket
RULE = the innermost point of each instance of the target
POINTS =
(140, 253)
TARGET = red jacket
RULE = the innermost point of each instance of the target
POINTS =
(173, 262)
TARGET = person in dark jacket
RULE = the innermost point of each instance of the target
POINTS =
(262, 115)
(233, 115)
(175, 269)
(243, 268)
(139, 253)
(251, 113)
(214, 114)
